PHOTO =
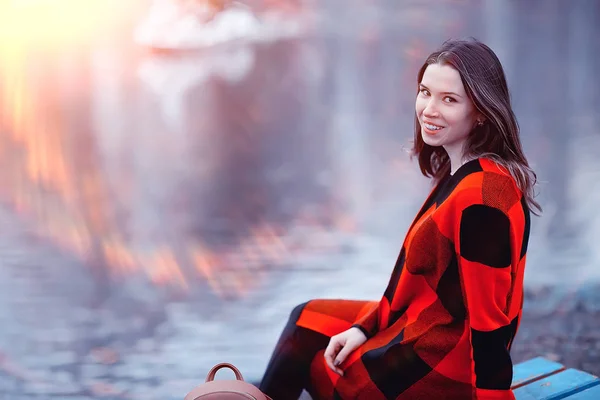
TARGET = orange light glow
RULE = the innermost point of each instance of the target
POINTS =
(54, 24)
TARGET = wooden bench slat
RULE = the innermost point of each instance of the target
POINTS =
(557, 386)
(592, 393)
(534, 369)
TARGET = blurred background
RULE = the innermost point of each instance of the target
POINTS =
(176, 175)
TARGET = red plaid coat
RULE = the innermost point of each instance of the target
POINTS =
(445, 324)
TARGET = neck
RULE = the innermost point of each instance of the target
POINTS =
(456, 156)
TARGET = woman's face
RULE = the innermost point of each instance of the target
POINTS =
(445, 112)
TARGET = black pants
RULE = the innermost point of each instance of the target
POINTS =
(288, 371)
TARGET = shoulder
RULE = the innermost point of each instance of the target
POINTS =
(491, 186)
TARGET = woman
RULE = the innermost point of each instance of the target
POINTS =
(445, 324)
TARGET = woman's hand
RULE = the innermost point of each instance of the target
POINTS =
(341, 345)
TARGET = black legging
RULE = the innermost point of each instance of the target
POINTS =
(288, 370)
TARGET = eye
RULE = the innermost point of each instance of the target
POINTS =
(450, 99)
(424, 91)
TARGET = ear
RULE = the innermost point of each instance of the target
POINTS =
(480, 119)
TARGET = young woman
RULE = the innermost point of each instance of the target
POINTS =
(445, 324)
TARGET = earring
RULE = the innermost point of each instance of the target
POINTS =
(479, 123)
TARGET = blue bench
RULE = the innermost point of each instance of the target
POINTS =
(542, 379)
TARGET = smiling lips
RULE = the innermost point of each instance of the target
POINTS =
(432, 128)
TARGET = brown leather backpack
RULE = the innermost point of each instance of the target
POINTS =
(236, 389)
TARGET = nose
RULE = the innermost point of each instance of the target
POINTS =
(431, 110)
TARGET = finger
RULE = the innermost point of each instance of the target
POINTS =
(330, 364)
(329, 361)
(333, 348)
(330, 354)
(333, 364)
(341, 357)
(334, 368)
(331, 351)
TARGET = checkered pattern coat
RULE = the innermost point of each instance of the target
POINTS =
(445, 324)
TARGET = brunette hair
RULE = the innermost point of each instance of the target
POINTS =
(498, 138)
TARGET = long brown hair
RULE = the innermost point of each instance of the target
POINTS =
(498, 138)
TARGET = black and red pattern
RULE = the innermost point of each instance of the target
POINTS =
(445, 323)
